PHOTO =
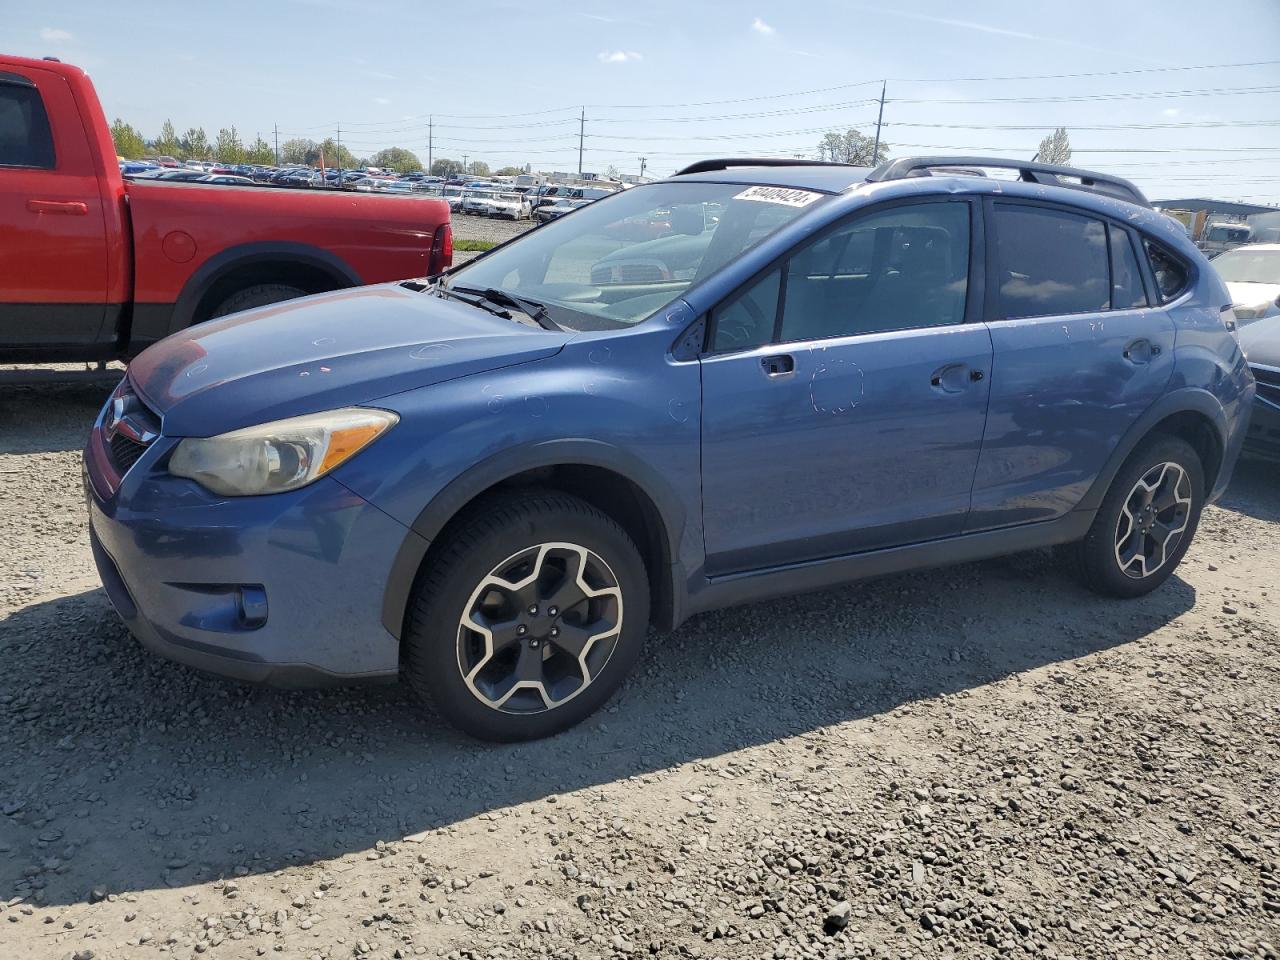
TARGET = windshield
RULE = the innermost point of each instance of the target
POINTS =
(621, 259)
(1243, 265)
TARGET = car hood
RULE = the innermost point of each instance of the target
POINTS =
(1260, 341)
(323, 352)
(1252, 294)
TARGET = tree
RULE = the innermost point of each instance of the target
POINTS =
(297, 151)
(260, 152)
(479, 168)
(195, 145)
(445, 168)
(128, 140)
(397, 158)
(508, 172)
(854, 147)
(227, 148)
(328, 153)
(1055, 148)
(168, 144)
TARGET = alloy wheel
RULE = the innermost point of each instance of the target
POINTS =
(1153, 520)
(539, 628)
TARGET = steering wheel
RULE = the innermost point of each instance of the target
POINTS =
(740, 334)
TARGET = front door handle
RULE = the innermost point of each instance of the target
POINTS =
(779, 365)
(76, 208)
(954, 377)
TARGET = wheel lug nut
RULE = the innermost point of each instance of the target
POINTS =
(555, 631)
(522, 630)
(533, 610)
(534, 643)
(552, 611)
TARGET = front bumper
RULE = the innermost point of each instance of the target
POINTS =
(286, 589)
(1263, 439)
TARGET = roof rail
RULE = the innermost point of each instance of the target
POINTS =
(1043, 173)
(705, 166)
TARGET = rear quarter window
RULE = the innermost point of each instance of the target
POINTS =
(1171, 272)
(25, 137)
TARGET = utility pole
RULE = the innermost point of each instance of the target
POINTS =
(875, 151)
(464, 164)
(643, 161)
(582, 123)
(430, 138)
(339, 154)
(276, 128)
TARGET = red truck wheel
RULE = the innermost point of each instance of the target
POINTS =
(258, 295)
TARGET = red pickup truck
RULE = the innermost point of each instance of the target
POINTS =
(96, 267)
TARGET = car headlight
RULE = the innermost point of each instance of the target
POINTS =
(1256, 311)
(278, 456)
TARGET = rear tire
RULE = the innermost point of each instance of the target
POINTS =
(1146, 521)
(258, 295)
(502, 636)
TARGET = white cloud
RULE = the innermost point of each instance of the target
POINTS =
(1170, 111)
(760, 27)
(382, 100)
(806, 53)
(54, 35)
(618, 56)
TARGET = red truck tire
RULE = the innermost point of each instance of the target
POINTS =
(258, 295)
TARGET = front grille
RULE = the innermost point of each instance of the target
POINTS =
(125, 452)
(1268, 380)
(129, 427)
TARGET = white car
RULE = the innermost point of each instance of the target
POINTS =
(509, 205)
(1252, 276)
(476, 202)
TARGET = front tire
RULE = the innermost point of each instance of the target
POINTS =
(1146, 521)
(528, 618)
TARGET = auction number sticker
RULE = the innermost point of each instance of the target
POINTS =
(783, 195)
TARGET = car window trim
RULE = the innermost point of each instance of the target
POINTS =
(993, 312)
(974, 294)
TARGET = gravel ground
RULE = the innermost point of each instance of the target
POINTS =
(984, 761)
(482, 228)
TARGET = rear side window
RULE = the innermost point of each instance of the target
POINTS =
(1050, 262)
(1171, 273)
(25, 138)
(1126, 280)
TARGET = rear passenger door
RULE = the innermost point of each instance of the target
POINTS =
(1079, 355)
(844, 392)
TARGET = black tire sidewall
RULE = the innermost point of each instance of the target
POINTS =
(1097, 551)
(430, 659)
(258, 295)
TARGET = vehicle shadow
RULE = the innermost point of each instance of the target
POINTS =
(125, 772)
(1254, 490)
(64, 412)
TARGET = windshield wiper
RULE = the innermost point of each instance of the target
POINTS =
(444, 291)
(531, 308)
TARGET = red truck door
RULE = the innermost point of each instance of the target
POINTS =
(53, 240)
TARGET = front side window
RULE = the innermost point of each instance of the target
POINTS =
(1050, 263)
(900, 269)
(621, 259)
(25, 138)
(747, 320)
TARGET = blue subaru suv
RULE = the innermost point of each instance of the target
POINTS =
(750, 379)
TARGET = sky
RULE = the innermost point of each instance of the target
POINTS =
(507, 82)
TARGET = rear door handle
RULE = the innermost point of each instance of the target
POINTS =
(76, 208)
(779, 365)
